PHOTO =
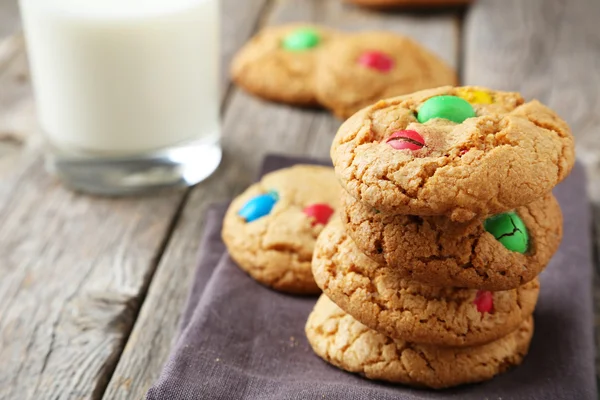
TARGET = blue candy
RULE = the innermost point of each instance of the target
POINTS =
(258, 206)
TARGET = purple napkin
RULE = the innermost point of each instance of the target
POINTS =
(240, 340)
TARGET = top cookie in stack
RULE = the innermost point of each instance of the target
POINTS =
(309, 65)
(457, 152)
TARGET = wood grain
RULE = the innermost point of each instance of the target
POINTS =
(72, 268)
(252, 128)
(549, 50)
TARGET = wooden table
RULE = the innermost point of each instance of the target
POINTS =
(91, 289)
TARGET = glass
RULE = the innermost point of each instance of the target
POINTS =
(127, 91)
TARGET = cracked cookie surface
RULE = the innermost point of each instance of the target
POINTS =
(437, 251)
(276, 249)
(377, 296)
(266, 69)
(510, 154)
(396, 65)
(346, 343)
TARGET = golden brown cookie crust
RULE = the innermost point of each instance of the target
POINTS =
(415, 68)
(346, 343)
(277, 249)
(377, 296)
(437, 251)
(263, 68)
(511, 154)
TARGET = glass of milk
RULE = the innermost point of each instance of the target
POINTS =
(127, 91)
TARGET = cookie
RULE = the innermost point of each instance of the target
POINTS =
(460, 152)
(408, 3)
(377, 296)
(278, 64)
(371, 66)
(437, 251)
(270, 229)
(346, 343)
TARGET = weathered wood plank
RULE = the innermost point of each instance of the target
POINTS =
(72, 268)
(549, 50)
(252, 128)
(9, 17)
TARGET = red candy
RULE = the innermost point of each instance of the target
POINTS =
(484, 301)
(406, 140)
(320, 213)
(376, 60)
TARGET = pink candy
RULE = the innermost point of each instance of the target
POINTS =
(406, 140)
(320, 213)
(484, 301)
(376, 60)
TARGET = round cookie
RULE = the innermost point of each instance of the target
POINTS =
(510, 154)
(437, 251)
(377, 296)
(375, 65)
(279, 63)
(346, 343)
(270, 229)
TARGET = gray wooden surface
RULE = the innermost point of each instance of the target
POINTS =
(91, 289)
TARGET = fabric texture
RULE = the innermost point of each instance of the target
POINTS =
(240, 340)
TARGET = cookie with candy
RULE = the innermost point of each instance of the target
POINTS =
(279, 63)
(446, 221)
(359, 69)
(470, 152)
(271, 228)
(309, 65)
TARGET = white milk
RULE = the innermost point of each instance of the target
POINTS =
(120, 77)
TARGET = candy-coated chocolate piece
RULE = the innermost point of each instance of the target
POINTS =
(447, 107)
(484, 300)
(475, 96)
(406, 140)
(376, 60)
(258, 206)
(320, 213)
(301, 39)
(509, 229)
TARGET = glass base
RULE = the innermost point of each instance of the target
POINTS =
(183, 165)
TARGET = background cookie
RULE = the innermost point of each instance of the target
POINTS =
(360, 69)
(346, 343)
(279, 63)
(270, 229)
(408, 3)
(378, 297)
(437, 251)
(460, 152)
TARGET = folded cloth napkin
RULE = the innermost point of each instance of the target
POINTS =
(240, 340)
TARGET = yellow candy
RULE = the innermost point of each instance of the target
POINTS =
(475, 96)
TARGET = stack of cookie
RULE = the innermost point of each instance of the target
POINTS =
(430, 275)
(309, 65)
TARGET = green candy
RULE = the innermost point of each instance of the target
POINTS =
(509, 229)
(301, 39)
(447, 107)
